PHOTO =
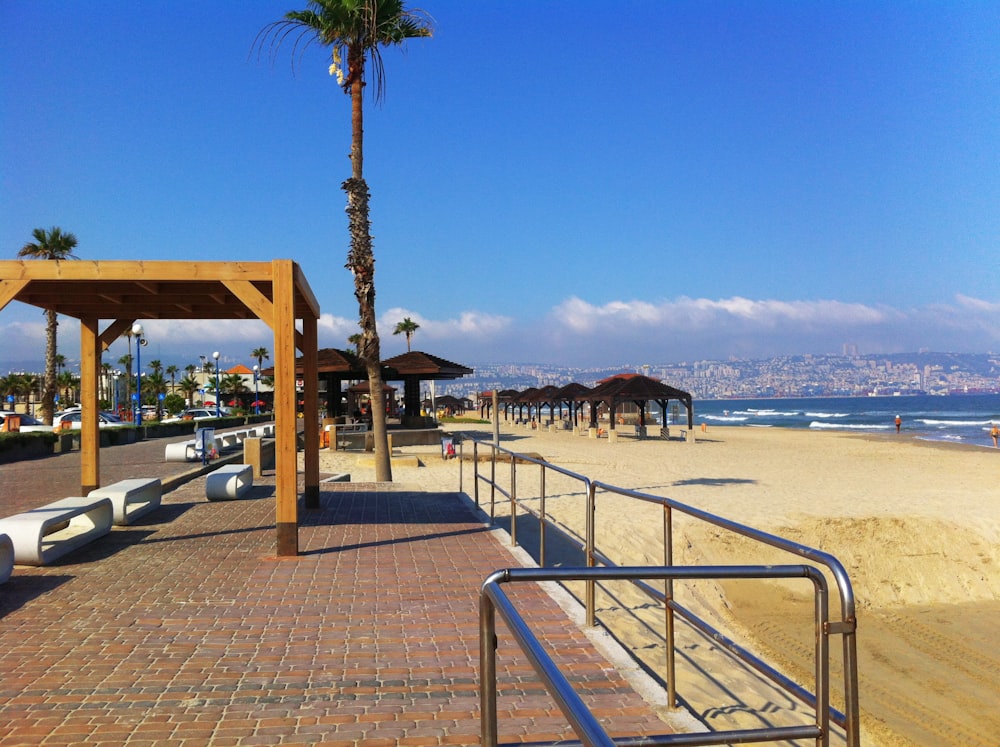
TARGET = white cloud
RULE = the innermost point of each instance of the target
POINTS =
(579, 332)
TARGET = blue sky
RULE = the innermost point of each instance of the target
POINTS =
(585, 183)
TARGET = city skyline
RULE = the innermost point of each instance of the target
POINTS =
(739, 180)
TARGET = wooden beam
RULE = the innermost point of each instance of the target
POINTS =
(115, 330)
(9, 289)
(286, 458)
(256, 301)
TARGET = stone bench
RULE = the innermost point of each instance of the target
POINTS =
(229, 482)
(182, 451)
(6, 557)
(131, 498)
(46, 533)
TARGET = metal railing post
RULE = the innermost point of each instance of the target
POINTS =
(668, 609)
(488, 669)
(513, 501)
(475, 471)
(493, 485)
(541, 518)
(589, 550)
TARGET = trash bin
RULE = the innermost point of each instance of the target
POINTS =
(204, 444)
(447, 447)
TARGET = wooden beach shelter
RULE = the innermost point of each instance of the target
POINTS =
(414, 367)
(637, 389)
(275, 292)
(334, 367)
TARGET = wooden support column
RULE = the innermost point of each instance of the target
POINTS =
(90, 437)
(310, 377)
(285, 458)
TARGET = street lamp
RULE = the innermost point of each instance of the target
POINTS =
(139, 342)
(218, 409)
(116, 374)
(256, 389)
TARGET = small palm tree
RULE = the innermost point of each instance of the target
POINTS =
(356, 30)
(406, 327)
(260, 355)
(189, 386)
(172, 372)
(52, 244)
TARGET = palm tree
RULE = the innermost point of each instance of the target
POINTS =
(172, 372)
(356, 29)
(406, 327)
(189, 386)
(261, 355)
(52, 244)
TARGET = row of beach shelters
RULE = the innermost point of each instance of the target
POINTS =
(615, 395)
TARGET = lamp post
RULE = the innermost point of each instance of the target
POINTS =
(218, 409)
(139, 342)
(115, 374)
(256, 389)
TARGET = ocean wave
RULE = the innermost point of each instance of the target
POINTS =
(848, 426)
(724, 418)
(954, 423)
(827, 414)
(774, 413)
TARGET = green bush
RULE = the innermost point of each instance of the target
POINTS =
(9, 441)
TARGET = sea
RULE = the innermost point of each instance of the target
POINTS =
(956, 418)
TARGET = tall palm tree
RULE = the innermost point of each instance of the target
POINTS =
(260, 355)
(406, 327)
(189, 387)
(172, 372)
(355, 30)
(51, 244)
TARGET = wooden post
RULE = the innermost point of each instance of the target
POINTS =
(285, 457)
(90, 437)
(310, 378)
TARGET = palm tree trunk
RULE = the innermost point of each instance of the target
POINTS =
(49, 394)
(361, 262)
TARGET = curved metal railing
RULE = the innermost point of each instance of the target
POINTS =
(845, 626)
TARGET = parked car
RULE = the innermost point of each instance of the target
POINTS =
(29, 424)
(193, 413)
(71, 419)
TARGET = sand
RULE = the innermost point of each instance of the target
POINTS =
(916, 525)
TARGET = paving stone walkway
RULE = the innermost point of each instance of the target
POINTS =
(186, 630)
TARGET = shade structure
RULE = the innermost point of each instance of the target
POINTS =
(122, 292)
(413, 367)
(637, 389)
(334, 366)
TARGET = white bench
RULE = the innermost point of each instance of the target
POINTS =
(131, 498)
(229, 482)
(180, 452)
(46, 533)
(6, 557)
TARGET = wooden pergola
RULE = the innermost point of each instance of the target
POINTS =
(275, 292)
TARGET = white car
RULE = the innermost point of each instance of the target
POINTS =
(195, 413)
(71, 419)
(29, 424)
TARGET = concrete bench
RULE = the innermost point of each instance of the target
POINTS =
(229, 482)
(49, 532)
(6, 557)
(180, 452)
(131, 498)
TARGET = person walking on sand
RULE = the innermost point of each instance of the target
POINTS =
(995, 433)
(899, 422)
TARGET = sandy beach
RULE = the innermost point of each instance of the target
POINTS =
(916, 524)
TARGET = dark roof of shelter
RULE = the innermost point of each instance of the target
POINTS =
(633, 388)
(424, 366)
(331, 360)
(546, 394)
(572, 391)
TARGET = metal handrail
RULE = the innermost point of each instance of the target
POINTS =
(493, 600)
(845, 626)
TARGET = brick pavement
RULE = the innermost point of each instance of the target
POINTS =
(185, 630)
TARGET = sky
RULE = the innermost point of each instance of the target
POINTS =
(578, 183)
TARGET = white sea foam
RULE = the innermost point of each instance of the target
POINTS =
(848, 426)
(827, 414)
(953, 423)
(724, 418)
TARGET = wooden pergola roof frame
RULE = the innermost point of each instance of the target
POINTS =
(275, 292)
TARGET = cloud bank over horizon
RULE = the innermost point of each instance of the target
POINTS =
(577, 332)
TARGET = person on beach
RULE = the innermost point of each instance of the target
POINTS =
(995, 433)
(899, 422)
